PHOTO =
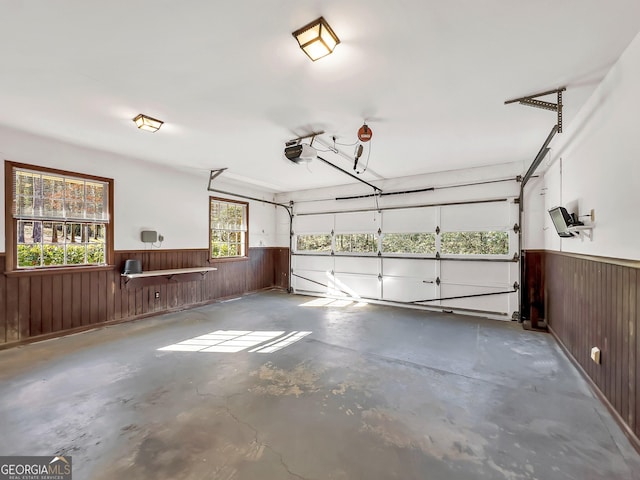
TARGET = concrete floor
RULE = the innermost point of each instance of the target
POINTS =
(372, 393)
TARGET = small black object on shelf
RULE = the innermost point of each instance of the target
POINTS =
(132, 267)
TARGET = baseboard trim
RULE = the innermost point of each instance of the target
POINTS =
(630, 434)
(97, 326)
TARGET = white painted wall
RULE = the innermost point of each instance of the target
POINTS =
(147, 196)
(596, 165)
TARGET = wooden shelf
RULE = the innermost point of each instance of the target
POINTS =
(167, 274)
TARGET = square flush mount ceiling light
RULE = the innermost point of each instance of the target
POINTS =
(316, 39)
(147, 123)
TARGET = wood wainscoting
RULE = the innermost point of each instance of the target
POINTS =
(45, 304)
(593, 302)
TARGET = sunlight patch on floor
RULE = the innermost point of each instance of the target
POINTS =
(233, 341)
(333, 302)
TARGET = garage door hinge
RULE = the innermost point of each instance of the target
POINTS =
(379, 231)
(519, 178)
(516, 228)
(516, 257)
(332, 252)
(379, 253)
(379, 277)
(516, 286)
(332, 233)
(438, 281)
(333, 274)
(437, 230)
(437, 254)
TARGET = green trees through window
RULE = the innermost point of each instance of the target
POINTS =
(475, 243)
(228, 228)
(418, 243)
(313, 243)
(356, 243)
(451, 243)
(59, 219)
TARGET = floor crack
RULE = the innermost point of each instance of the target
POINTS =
(257, 441)
(283, 463)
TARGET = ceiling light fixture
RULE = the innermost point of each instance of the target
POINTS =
(316, 39)
(147, 123)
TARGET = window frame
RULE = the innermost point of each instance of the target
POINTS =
(11, 223)
(236, 258)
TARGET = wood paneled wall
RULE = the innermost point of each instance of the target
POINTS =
(595, 302)
(44, 304)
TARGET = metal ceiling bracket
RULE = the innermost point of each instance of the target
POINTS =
(215, 174)
(296, 140)
(533, 101)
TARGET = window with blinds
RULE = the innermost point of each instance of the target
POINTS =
(228, 228)
(59, 219)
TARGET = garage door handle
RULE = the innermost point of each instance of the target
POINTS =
(428, 281)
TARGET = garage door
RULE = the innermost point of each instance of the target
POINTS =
(452, 257)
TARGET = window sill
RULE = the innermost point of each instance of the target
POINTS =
(28, 272)
(228, 259)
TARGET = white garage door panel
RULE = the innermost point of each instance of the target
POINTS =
(475, 273)
(359, 222)
(358, 285)
(364, 265)
(475, 217)
(423, 269)
(407, 290)
(493, 303)
(403, 279)
(309, 286)
(318, 263)
(312, 224)
(410, 220)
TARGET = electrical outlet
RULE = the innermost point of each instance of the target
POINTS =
(595, 355)
(157, 295)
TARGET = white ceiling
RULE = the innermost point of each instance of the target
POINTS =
(232, 85)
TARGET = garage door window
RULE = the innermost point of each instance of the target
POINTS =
(356, 243)
(313, 243)
(475, 243)
(416, 243)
